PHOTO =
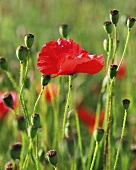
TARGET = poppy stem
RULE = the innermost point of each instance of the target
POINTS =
(115, 44)
(109, 51)
(122, 135)
(94, 156)
(67, 105)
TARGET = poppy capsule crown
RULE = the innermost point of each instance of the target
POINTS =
(65, 57)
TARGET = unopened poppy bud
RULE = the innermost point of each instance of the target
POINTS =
(63, 29)
(8, 100)
(41, 155)
(98, 134)
(29, 40)
(52, 157)
(35, 120)
(45, 79)
(130, 22)
(32, 130)
(107, 27)
(114, 16)
(21, 122)
(21, 53)
(27, 83)
(126, 103)
(3, 63)
(15, 150)
(113, 71)
(9, 166)
(68, 130)
(71, 146)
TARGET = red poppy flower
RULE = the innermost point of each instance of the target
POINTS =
(88, 118)
(3, 108)
(65, 57)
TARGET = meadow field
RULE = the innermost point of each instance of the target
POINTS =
(67, 85)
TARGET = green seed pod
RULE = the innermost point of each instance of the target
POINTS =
(98, 134)
(21, 122)
(107, 27)
(10, 166)
(130, 22)
(3, 63)
(45, 79)
(41, 155)
(15, 150)
(32, 130)
(35, 120)
(113, 71)
(126, 103)
(52, 157)
(114, 16)
(29, 40)
(8, 100)
(63, 29)
(68, 130)
(21, 53)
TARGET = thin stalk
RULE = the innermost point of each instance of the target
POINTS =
(22, 150)
(122, 135)
(115, 44)
(12, 80)
(36, 154)
(21, 73)
(94, 156)
(80, 141)
(67, 105)
(109, 51)
(125, 48)
(36, 103)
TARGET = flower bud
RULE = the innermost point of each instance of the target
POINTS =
(15, 150)
(68, 130)
(32, 130)
(41, 155)
(63, 29)
(52, 157)
(27, 83)
(21, 53)
(3, 63)
(71, 146)
(29, 40)
(126, 103)
(21, 122)
(35, 120)
(114, 16)
(98, 134)
(45, 79)
(8, 100)
(107, 27)
(10, 166)
(130, 22)
(113, 71)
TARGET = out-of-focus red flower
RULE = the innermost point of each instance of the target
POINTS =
(51, 91)
(88, 118)
(3, 108)
(65, 57)
(122, 71)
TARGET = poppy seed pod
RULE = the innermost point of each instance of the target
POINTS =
(32, 130)
(21, 53)
(63, 29)
(126, 103)
(35, 120)
(98, 134)
(107, 27)
(45, 79)
(130, 22)
(114, 16)
(29, 40)
(8, 99)
(113, 71)
(21, 122)
(3, 63)
(10, 166)
(52, 157)
(15, 150)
